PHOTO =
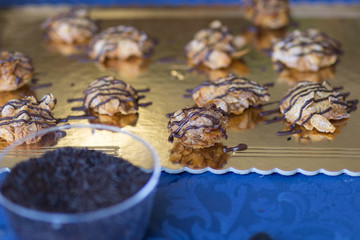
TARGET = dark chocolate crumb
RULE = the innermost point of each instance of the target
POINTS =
(288, 139)
(46, 85)
(71, 180)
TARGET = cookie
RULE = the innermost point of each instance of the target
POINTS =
(199, 158)
(313, 106)
(16, 69)
(108, 95)
(308, 50)
(272, 14)
(198, 127)
(21, 117)
(232, 94)
(215, 47)
(73, 27)
(120, 42)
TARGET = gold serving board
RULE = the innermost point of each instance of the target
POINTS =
(167, 74)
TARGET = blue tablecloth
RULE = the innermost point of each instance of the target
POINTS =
(231, 206)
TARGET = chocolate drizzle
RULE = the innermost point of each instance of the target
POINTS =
(310, 38)
(301, 91)
(236, 84)
(17, 64)
(106, 89)
(109, 88)
(191, 113)
(113, 35)
(45, 85)
(43, 117)
(75, 19)
(222, 34)
(70, 100)
(238, 148)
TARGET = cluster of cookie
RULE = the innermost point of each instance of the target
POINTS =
(205, 124)
(304, 59)
(106, 96)
(118, 42)
(310, 105)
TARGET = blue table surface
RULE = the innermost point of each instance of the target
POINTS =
(231, 206)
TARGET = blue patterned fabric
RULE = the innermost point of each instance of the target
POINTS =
(234, 206)
(231, 206)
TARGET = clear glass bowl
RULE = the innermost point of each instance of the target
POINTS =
(125, 220)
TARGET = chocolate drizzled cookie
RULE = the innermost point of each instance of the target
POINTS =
(198, 127)
(16, 70)
(73, 27)
(108, 95)
(313, 105)
(120, 42)
(308, 50)
(215, 47)
(271, 14)
(21, 117)
(232, 94)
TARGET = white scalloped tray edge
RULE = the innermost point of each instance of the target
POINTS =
(262, 172)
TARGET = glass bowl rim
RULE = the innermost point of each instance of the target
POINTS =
(66, 218)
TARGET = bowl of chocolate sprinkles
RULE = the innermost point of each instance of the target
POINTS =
(94, 182)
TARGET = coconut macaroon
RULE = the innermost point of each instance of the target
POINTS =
(198, 127)
(313, 105)
(108, 95)
(198, 158)
(272, 14)
(120, 42)
(16, 69)
(215, 47)
(73, 27)
(308, 50)
(21, 117)
(232, 94)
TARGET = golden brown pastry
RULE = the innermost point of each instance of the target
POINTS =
(108, 95)
(232, 94)
(308, 50)
(310, 136)
(21, 117)
(314, 105)
(198, 127)
(271, 14)
(120, 42)
(16, 70)
(198, 158)
(215, 47)
(73, 27)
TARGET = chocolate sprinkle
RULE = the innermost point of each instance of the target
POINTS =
(71, 180)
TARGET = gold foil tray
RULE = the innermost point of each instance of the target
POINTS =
(166, 74)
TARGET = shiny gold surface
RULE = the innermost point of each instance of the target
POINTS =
(20, 30)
